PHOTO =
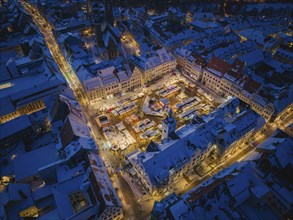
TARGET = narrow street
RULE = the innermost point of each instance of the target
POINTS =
(128, 199)
(74, 83)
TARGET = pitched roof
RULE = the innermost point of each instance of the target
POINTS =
(251, 86)
(28, 164)
(219, 65)
(6, 106)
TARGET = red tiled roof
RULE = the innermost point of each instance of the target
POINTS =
(219, 65)
(235, 75)
(251, 86)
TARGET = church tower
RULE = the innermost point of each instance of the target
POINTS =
(169, 126)
(109, 12)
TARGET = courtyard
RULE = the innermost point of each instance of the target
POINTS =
(135, 119)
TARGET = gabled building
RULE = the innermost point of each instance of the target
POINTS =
(153, 66)
(15, 129)
(190, 63)
(68, 184)
(160, 165)
(111, 81)
(16, 201)
(28, 101)
(228, 80)
(108, 41)
(255, 189)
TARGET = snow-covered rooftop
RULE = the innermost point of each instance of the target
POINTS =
(159, 57)
(28, 164)
(193, 139)
(14, 126)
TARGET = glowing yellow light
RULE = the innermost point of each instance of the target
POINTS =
(6, 85)
(29, 212)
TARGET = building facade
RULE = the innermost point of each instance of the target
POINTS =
(228, 80)
(28, 101)
(190, 63)
(161, 165)
(110, 82)
(244, 192)
(155, 65)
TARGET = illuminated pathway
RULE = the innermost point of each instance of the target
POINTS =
(124, 192)
(46, 29)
